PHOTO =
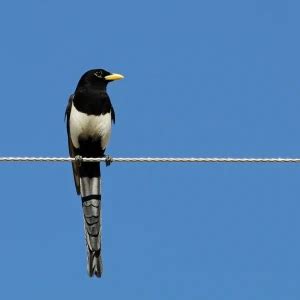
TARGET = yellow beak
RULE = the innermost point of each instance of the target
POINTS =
(114, 77)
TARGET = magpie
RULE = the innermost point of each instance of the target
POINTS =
(89, 116)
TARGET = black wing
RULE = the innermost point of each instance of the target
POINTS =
(72, 149)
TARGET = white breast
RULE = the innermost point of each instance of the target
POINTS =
(85, 126)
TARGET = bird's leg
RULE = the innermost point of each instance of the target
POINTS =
(78, 160)
(108, 160)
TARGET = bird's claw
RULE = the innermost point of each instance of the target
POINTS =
(78, 160)
(108, 160)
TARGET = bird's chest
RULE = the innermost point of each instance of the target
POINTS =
(84, 126)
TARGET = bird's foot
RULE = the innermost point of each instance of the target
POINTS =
(78, 160)
(108, 160)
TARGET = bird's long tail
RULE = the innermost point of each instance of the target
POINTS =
(90, 190)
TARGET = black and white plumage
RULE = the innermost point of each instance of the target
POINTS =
(89, 117)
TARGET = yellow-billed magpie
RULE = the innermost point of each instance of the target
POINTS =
(89, 115)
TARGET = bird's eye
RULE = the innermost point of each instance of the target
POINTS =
(98, 74)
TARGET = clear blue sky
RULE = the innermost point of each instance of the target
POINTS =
(203, 78)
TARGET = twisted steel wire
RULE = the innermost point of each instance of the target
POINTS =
(153, 159)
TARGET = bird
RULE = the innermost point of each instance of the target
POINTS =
(89, 116)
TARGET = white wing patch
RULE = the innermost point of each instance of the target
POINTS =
(85, 126)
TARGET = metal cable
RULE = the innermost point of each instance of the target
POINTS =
(154, 159)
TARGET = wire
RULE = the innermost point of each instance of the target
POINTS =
(152, 159)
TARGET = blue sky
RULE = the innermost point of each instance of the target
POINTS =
(202, 78)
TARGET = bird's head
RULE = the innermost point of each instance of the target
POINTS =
(98, 77)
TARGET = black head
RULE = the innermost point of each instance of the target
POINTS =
(98, 77)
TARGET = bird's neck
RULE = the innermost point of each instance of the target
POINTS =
(92, 88)
(101, 87)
